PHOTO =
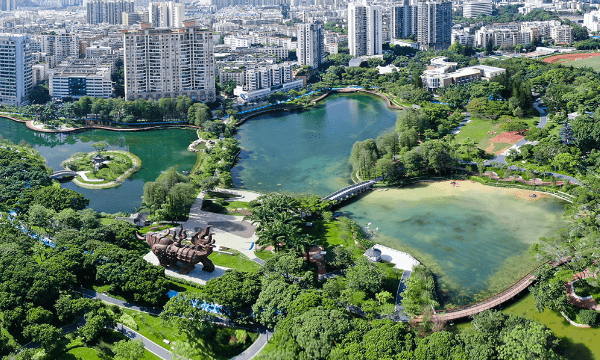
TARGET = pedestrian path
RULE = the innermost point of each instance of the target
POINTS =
(150, 345)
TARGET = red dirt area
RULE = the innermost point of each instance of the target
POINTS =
(509, 137)
(569, 57)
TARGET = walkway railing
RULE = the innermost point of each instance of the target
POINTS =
(494, 300)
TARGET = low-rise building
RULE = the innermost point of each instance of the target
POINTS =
(443, 73)
(78, 78)
(39, 73)
(331, 48)
(253, 95)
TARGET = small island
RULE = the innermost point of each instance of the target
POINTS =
(102, 169)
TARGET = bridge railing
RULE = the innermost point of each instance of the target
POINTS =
(355, 186)
(501, 293)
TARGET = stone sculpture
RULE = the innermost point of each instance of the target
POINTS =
(169, 248)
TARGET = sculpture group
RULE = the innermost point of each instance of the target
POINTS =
(169, 249)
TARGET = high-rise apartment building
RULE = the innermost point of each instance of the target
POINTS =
(404, 19)
(163, 63)
(364, 29)
(434, 25)
(311, 44)
(135, 17)
(16, 78)
(166, 14)
(60, 45)
(8, 5)
(473, 9)
(65, 3)
(102, 11)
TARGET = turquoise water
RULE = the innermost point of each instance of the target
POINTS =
(307, 152)
(158, 150)
(475, 240)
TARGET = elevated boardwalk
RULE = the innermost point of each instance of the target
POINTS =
(63, 173)
(352, 190)
(493, 301)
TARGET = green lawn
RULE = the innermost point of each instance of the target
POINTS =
(237, 261)
(219, 195)
(77, 349)
(583, 289)
(593, 62)
(478, 130)
(580, 343)
(209, 205)
(264, 254)
(154, 329)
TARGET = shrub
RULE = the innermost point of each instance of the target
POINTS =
(241, 335)
(587, 317)
(128, 321)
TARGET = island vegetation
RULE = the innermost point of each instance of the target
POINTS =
(102, 169)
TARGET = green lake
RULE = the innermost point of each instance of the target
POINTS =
(307, 152)
(158, 150)
(475, 242)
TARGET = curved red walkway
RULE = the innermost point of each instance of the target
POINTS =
(492, 301)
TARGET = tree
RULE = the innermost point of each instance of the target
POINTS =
(383, 297)
(40, 216)
(549, 292)
(39, 95)
(198, 114)
(564, 162)
(183, 313)
(100, 146)
(420, 291)
(129, 350)
(316, 330)
(50, 338)
(523, 342)
(57, 198)
(274, 299)
(235, 291)
(439, 345)
(365, 276)
(67, 218)
(97, 322)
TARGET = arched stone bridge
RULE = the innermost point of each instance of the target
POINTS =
(352, 190)
(63, 173)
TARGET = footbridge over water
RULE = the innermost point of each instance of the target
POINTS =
(63, 173)
(352, 190)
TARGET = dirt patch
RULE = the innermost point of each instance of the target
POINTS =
(509, 137)
(569, 57)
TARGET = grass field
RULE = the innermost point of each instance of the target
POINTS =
(77, 349)
(593, 62)
(237, 261)
(154, 329)
(478, 130)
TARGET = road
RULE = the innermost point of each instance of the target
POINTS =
(256, 347)
(148, 344)
(91, 294)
